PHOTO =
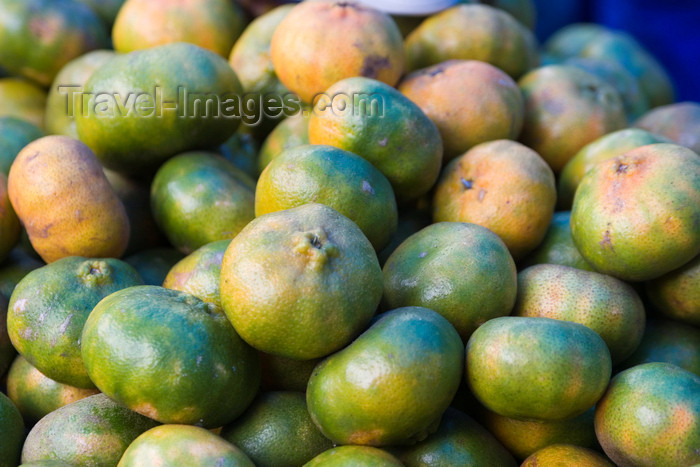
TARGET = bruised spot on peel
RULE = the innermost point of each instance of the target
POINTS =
(366, 438)
(147, 409)
(373, 65)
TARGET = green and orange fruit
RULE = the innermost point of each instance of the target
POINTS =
(300, 283)
(650, 415)
(462, 271)
(173, 445)
(557, 246)
(340, 179)
(459, 440)
(392, 384)
(61, 195)
(277, 431)
(199, 197)
(565, 109)
(91, 431)
(40, 36)
(604, 148)
(488, 102)
(525, 437)
(667, 341)
(635, 216)
(473, 32)
(169, 356)
(375, 121)
(537, 368)
(677, 293)
(680, 122)
(357, 456)
(37, 395)
(199, 273)
(563, 455)
(211, 24)
(50, 306)
(503, 186)
(320, 43)
(159, 102)
(65, 99)
(607, 305)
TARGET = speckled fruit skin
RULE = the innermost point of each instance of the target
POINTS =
(565, 109)
(199, 197)
(503, 186)
(40, 36)
(170, 357)
(566, 455)
(339, 179)
(635, 217)
(524, 437)
(357, 456)
(59, 192)
(384, 127)
(15, 134)
(473, 32)
(557, 246)
(212, 24)
(650, 415)
(23, 99)
(462, 271)
(37, 395)
(59, 118)
(458, 441)
(668, 341)
(489, 103)
(392, 384)
(320, 43)
(607, 305)
(277, 431)
(136, 136)
(300, 283)
(199, 273)
(50, 305)
(172, 445)
(677, 294)
(250, 56)
(604, 148)
(537, 368)
(289, 133)
(92, 431)
(679, 122)
(12, 428)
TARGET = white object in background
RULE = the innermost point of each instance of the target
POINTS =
(409, 7)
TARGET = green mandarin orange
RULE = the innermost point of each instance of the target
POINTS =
(392, 384)
(170, 356)
(635, 216)
(462, 271)
(300, 283)
(537, 368)
(650, 415)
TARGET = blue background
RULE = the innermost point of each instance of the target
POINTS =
(669, 29)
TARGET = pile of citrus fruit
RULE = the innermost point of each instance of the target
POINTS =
(234, 234)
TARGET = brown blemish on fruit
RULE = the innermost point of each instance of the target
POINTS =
(607, 240)
(373, 64)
